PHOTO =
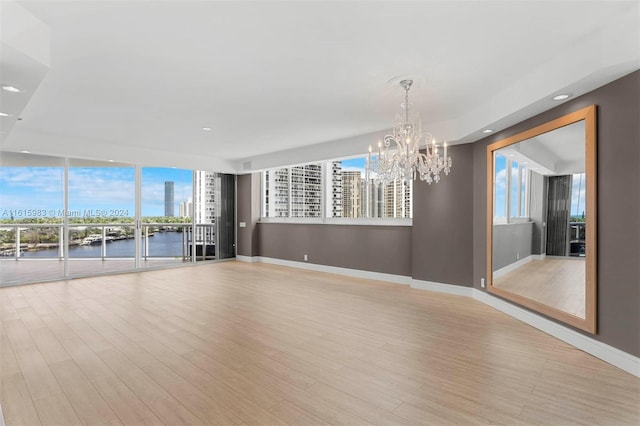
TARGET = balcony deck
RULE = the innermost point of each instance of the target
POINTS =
(38, 270)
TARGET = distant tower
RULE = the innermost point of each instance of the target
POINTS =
(352, 193)
(168, 199)
(186, 208)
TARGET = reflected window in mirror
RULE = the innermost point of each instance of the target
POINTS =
(578, 216)
(511, 183)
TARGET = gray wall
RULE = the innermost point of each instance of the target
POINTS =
(385, 249)
(511, 242)
(618, 206)
(442, 236)
(248, 201)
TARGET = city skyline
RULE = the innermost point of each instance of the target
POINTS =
(297, 191)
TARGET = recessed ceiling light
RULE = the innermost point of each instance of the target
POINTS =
(3, 114)
(487, 131)
(25, 151)
(561, 97)
(206, 129)
(11, 89)
(111, 161)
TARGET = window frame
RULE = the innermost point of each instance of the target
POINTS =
(523, 194)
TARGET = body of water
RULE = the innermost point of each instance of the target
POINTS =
(161, 244)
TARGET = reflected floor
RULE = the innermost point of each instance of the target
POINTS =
(34, 270)
(556, 282)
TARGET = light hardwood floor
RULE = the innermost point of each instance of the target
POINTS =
(553, 281)
(237, 343)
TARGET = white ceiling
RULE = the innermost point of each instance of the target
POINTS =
(558, 152)
(283, 82)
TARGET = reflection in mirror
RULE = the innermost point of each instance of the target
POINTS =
(539, 219)
(541, 226)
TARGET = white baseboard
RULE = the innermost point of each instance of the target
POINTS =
(607, 353)
(249, 259)
(357, 273)
(512, 266)
(456, 290)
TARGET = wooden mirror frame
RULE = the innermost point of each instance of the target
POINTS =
(589, 323)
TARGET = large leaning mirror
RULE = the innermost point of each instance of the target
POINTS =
(541, 221)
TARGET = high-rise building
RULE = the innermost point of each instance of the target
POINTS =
(294, 192)
(186, 208)
(168, 199)
(276, 193)
(306, 191)
(204, 210)
(375, 199)
(352, 193)
(397, 199)
(334, 188)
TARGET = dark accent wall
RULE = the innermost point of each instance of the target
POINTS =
(618, 140)
(248, 203)
(442, 235)
(385, 249)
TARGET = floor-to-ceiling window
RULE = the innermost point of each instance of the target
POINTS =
(167, 211)
(69, 217)
(101, 217)
(31, 216)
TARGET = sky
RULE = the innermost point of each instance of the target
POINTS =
(93, 191)
(354, 164)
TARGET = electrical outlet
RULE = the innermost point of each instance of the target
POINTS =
(306, 257)
(517, 256)
(482, 282)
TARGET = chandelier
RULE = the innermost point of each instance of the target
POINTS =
(399, 156)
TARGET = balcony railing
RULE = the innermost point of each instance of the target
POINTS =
(107, 241)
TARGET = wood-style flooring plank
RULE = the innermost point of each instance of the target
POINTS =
(87, 402)
(17, 406)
